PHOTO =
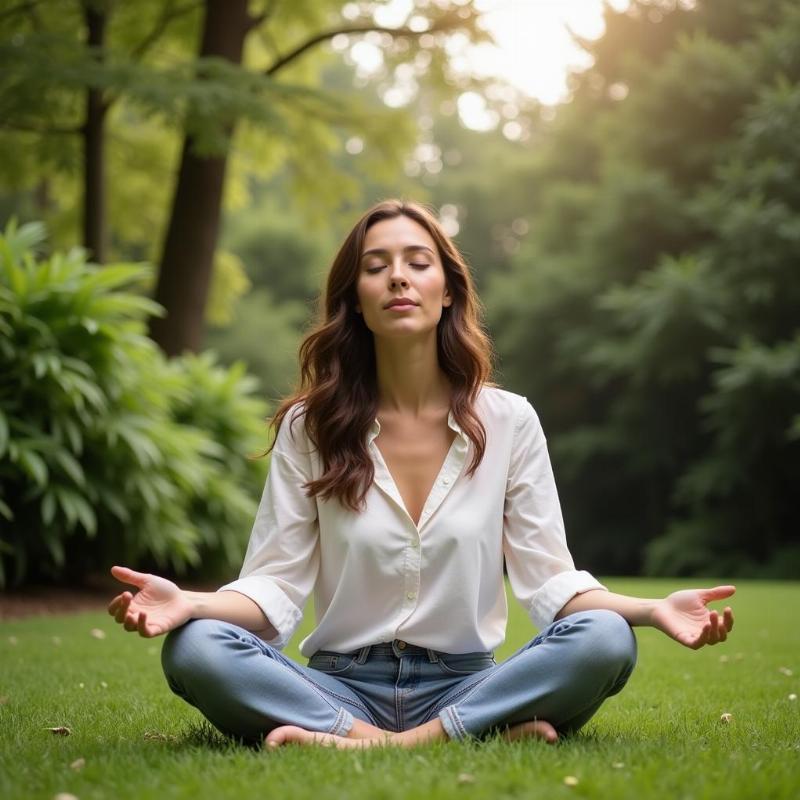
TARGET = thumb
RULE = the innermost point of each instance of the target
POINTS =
(717, 593)
(129, 576)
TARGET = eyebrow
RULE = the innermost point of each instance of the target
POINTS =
(380, 251)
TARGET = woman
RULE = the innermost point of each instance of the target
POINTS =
(400, 480)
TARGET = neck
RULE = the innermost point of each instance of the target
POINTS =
(410, 380)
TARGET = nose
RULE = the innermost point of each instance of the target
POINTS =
(397, 277)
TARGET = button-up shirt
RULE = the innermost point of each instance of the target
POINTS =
(377, 576)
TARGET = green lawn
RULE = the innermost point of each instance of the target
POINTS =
(661, 737)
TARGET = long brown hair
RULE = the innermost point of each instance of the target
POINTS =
(338, 384)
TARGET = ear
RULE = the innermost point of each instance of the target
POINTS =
(447, 300)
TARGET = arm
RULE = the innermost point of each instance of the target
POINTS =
(160, 606)
(541, 571)
(682, 615)
(279, 570)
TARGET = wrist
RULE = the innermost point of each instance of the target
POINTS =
(196, 603)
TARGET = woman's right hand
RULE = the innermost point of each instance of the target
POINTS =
(159, 605)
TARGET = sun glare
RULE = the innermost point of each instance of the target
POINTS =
(534, 52)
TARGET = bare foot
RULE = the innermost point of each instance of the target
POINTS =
(292, 734)
(538, 729)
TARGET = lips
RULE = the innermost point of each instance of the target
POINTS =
(400, 301)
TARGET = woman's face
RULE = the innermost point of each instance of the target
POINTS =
(400, 260)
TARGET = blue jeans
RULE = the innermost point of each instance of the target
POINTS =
(246, 687)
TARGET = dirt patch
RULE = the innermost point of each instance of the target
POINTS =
(32, 601)
(39, 600)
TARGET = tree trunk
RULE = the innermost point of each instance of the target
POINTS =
(94, 215)
(187, 260)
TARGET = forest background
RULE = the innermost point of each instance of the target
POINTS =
(636, 248)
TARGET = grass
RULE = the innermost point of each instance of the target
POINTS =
(660, 737)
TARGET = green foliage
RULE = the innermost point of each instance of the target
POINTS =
(107, 451)
(652, 314)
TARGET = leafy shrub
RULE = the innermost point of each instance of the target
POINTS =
(109, 452)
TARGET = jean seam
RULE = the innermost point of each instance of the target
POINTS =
(456, 722)
(451, 700)
(342, 718)
(322, 691)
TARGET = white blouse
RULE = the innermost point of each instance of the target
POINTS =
(376, 576)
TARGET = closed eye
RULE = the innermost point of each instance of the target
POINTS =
(372, 270)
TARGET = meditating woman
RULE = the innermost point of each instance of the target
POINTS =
(401, 478)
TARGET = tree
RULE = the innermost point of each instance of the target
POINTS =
(240, 88)
(651, 313)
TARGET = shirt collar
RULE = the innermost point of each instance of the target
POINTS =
(375, 428)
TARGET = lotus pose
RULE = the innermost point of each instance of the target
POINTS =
(401, 479)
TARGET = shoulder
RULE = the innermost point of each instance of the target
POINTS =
(291, 438)
(500, 408)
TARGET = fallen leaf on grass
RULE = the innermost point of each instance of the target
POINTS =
(465, 777)
(726, 718)
(792, 696)
(570, 780)
(97, 633)
(3, 700)
(64, 796)
(618, 765)
(103, 685)
(724, 659)
(13, 640)
(78, 763)
(60, 730)
(785, 671)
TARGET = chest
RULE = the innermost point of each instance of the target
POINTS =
(414, 454)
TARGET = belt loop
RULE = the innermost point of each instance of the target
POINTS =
(363, 654)
(432, 656)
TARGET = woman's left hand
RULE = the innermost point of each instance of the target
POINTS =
(683, 616)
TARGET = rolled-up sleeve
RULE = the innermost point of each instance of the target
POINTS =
(282, 559)
(540, 568)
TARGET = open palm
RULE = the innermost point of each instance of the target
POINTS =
(159, 605)
(684, 616)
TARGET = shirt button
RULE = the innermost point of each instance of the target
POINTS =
(401, 645)
(445, 481)
(411, 595)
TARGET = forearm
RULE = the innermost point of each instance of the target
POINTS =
(230, 606)
(637, 610)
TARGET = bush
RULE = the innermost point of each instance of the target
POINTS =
(109, 452)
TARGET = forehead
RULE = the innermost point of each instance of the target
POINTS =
(398, 233)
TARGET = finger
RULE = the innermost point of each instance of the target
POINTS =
(129, 576)
(717, 593)
(713, 631)
(728, 615)
(114, 605)
(131, 622)
(143, 627)
(124, 605)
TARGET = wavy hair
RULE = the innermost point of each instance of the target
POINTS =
(338, 392)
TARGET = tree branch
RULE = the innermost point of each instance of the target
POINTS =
(325, 35)
(167, 16)
(268, 12)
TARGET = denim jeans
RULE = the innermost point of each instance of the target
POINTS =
(246, 687)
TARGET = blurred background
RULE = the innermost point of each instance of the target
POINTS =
(176, 175)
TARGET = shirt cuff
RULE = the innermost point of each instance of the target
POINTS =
(284, 615)
(556, 592)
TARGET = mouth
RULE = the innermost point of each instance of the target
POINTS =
(401, 307)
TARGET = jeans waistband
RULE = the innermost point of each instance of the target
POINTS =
(394, 649)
